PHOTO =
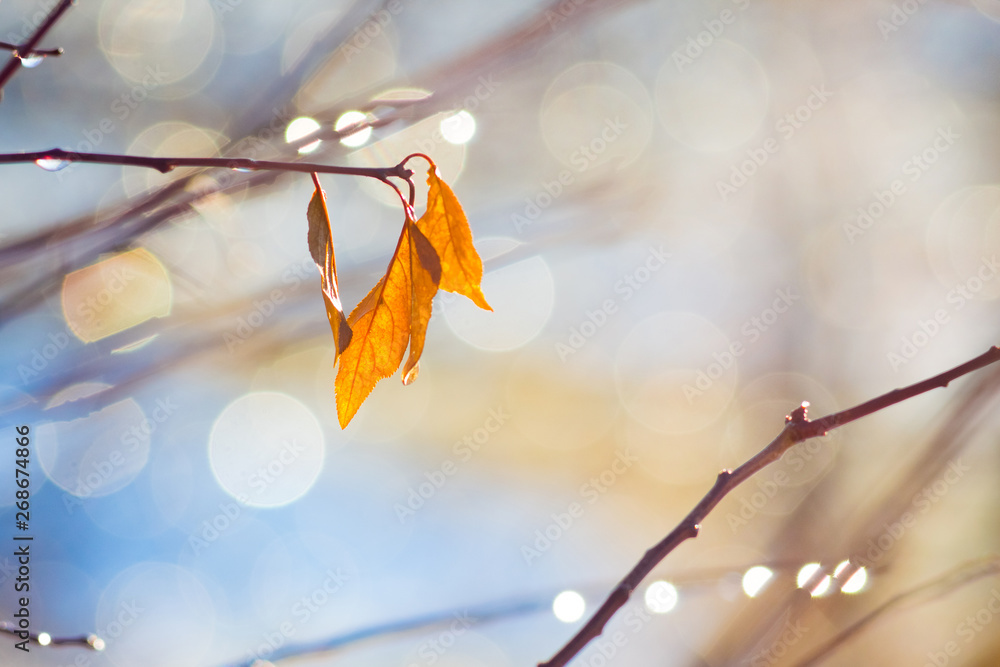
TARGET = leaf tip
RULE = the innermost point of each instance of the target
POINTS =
(410, 373)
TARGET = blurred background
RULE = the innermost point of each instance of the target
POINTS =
(694, 216)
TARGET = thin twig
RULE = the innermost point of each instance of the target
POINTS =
(797, 429)
(946, 583)
(29, 47)
(166, 164)
(43, 639)
(44, 53)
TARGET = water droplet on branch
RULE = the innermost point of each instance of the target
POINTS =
(51, 164)
(32, 61)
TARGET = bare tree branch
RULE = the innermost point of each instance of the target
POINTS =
(797, 429)
(14, 48)
(951, 580)
(166, 164)
(28, 48)
(44, 639)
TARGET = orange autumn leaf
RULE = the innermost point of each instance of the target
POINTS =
(445, 225)
(423, 287)
(395, 312)
(321, 248)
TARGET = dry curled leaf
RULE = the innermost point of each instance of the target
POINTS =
(434, 251)
(446, 227)
(321, 248)
(395, 312)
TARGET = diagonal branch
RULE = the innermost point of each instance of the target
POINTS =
(28, 48)
(797, 429)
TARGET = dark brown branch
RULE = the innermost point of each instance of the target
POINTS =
(797, 429)
(29, 47)
(43, 639)
(44, 53)
(166, 164)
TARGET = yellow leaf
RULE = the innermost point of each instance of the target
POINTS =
(321, 248)
(446, 227)
(382, 323)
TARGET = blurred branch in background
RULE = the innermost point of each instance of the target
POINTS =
(697, 216)
(961, 575)
(44, 639)
(798, 428)
(871, 541)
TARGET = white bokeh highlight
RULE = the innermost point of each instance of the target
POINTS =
(266, 449)
(521, 294)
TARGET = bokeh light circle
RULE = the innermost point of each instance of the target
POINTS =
(569, 606)
(355, 139)
(661, 597)
(300, 128)
(963, 242)
(156, 614)
(521, 294)
(716, 102)
(266, 449)
(675, 372)
(755, 579)
(100, 453)
(153, 43)
(596, 113)
(458, 129)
